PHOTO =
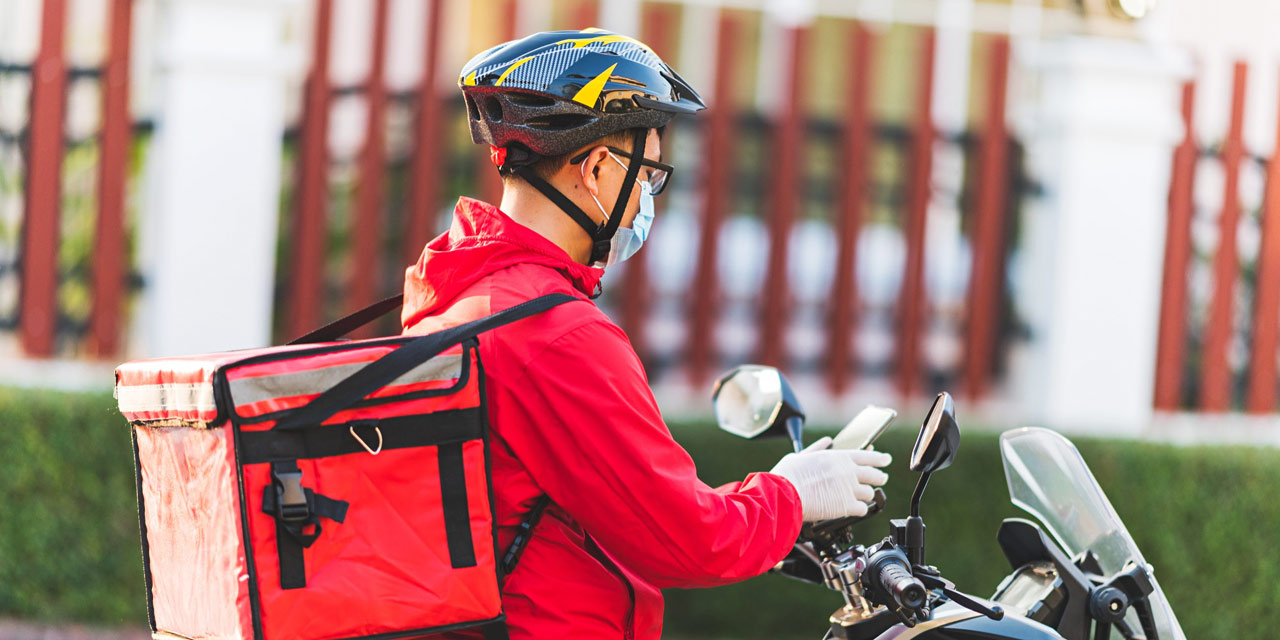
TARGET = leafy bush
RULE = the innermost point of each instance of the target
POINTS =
(69, 535)
(1203, 516)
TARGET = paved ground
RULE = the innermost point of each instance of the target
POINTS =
(15, 630)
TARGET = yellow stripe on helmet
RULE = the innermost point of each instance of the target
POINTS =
(469, 81)
(590, 92)
(578, 43)
(515, 65)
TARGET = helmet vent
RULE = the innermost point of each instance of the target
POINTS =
(472, 110)
(561, 122)
(530, 100)
(493, 109)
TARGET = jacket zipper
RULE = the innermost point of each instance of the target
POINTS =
(629, 632)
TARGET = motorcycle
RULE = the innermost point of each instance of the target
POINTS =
(1076, 574)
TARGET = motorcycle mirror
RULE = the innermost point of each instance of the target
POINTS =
(754, 401)
(939, 437)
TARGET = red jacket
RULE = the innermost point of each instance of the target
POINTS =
(573, 416)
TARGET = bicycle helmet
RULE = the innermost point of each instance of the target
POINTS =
(556, 91)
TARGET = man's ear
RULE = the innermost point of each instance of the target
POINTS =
(589, 169)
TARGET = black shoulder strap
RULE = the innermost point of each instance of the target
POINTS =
(346, 324)
(408, 355)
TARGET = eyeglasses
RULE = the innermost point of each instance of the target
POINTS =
(659, 173)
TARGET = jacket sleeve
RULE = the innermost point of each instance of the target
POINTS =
(600, 450)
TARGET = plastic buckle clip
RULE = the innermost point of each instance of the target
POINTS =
(291, 498)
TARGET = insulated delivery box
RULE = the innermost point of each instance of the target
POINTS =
(319, 491)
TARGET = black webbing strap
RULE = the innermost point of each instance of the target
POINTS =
(628, 183)
(579, 216)
(601, 233)
(453, 499)
(396, 432)
(495, 631)
(295, 508)
(408, 355)
(346, 324)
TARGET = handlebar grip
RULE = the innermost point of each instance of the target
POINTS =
(906, 589)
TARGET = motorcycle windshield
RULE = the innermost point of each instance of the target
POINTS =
(1048, 479)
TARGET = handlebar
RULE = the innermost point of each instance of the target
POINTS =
(891, 575)
(906, 590)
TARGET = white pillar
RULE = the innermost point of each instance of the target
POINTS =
(211, 212)
(621, 16)
(1099, 139)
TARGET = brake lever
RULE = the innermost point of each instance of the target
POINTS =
(948, 589)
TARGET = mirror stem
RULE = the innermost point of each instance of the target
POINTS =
(795, 427)
(918, 494)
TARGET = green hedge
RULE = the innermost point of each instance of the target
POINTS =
(1206, 517)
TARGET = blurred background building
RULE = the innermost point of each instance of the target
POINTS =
(1065, 210)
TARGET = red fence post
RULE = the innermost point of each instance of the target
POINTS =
(1171, 344)
(306, 304)
(788, 159)
(636, 294)
(717, 185)
(424, 183)
(1216, 386)
(113, 162)
(987, 237)
(488, 182)
(852, 185)
(39, 307)
(367, 224)
(1266, 307)
(911, 303)
(586, 15)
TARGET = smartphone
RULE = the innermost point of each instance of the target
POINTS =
(865, 427)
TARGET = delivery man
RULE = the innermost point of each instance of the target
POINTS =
(574, 122)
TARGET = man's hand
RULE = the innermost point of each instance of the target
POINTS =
(833, 483)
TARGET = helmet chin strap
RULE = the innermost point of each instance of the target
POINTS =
(601, 233)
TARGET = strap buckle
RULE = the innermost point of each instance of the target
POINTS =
(292, 505)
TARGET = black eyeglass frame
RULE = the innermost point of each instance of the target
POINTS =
(644, 162)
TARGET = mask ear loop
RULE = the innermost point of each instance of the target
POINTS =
(602, 238)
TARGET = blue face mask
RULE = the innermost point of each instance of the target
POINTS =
(628, 240)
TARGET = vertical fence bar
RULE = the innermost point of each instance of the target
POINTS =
(306, 300)
(367, 223)
(788, 144)
(488, 182)
(987, 237)
(38, 317)
(1266, 309)
(1215, 392)
(636, 293)
(424, 187)
(912, 301)
(586, 14)
(113, 162)
(1171, 344)
(852, 181)
(717, 184)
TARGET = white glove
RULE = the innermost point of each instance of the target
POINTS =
(833, 483)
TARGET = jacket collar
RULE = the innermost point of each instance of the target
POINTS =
(482, 240)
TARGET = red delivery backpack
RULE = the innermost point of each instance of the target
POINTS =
(321, 491)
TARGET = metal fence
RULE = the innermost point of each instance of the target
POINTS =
(794, 183)
(1220, 310)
